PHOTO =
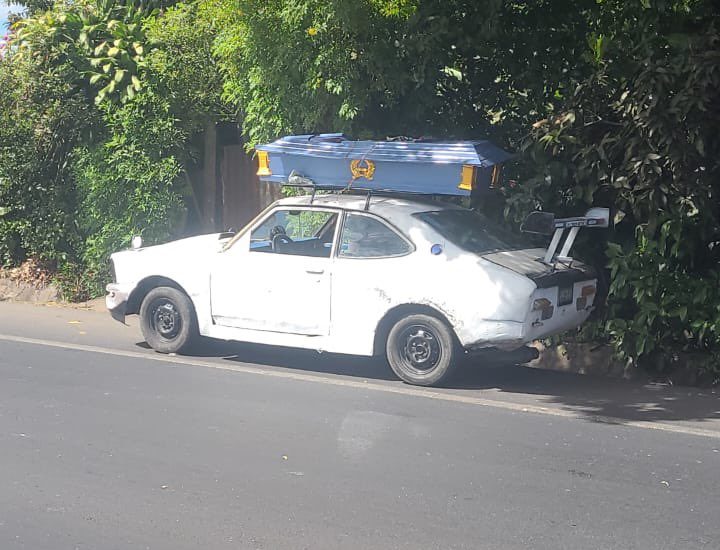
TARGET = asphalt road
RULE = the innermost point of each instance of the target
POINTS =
(105, 444)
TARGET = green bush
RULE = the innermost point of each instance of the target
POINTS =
(640, 135)
(42, 118)
(99, 102)
(660, 307)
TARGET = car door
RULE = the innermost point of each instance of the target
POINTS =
(279, 278)
(374, 270)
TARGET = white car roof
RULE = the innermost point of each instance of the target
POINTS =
(388, 207)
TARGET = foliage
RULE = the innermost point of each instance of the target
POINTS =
(458, 68)
(128, 183)
(34, 6)
(132, 182)
(640, 134)
(104, 41)
(305, 64)
(183, 69)
(655, 317)
(109, 95)
(42, 117)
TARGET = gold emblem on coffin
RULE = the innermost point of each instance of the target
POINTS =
(362, 169)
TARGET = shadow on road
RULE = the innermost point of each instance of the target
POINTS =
(595, 396)
(492, 374)
(296, 359)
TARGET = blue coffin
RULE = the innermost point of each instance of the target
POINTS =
(427, 167)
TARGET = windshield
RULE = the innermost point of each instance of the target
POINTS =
(473, 232)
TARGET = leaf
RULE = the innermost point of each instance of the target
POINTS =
(94, 79)
(683, 313)
(454, 73)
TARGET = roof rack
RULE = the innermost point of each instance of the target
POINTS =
(300, 181)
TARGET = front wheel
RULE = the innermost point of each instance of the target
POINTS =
(167, 320)
(421, 350)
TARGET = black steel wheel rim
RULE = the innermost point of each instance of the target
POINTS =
(420, 348)
(165, 319)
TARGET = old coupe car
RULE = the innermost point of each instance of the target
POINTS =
(415, 280)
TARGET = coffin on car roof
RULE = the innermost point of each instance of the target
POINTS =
(333, 161)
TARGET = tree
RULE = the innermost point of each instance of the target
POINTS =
(640, 134)
(110, 96)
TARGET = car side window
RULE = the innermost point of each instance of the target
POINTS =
(367, 237)
(296, 232)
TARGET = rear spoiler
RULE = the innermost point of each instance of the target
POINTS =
(545, 223)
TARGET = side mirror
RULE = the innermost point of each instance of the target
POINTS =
(542, 223)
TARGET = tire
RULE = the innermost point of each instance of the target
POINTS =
(421, 350)
(168, 321)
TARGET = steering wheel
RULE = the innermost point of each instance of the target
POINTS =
(280, 240)
(277, 230)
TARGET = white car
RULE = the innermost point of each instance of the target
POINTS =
(418, 281)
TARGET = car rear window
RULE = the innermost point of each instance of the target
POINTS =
(472, 231)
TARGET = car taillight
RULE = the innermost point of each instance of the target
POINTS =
(544, 306)
(585, 293)
(588, 290)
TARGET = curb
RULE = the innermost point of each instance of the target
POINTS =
(47, 295)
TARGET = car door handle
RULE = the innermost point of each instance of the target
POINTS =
(315, 271)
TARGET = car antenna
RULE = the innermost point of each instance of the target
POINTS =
(367, 200)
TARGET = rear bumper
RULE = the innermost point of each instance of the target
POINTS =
(511, 335)
(116, 301)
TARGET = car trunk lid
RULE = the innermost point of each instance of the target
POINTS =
(529, 263)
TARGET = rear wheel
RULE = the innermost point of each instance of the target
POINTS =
(421, 350)
(167, 320)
